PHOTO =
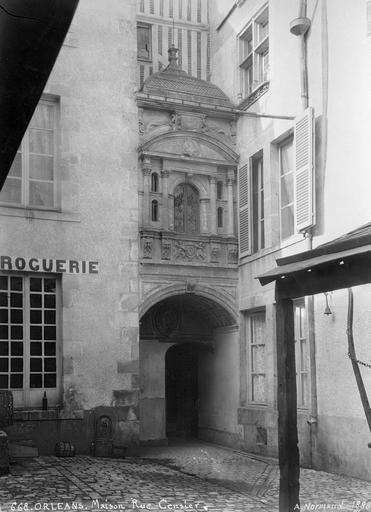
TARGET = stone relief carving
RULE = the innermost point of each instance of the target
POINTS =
(166, 320)
(191, 286)
(104, 427)
(215, 253)
(140, 121)
(147, 247)
(189, 251)
(174, 122)
(155, 122)
(166, 249)
(191, 147)
(233, 255)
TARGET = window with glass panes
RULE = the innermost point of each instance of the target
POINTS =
(28, 334)
(31, 181)
(287, 199)
(257, 357)
(254, 53)
(301, 354)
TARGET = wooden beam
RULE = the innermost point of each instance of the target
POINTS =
(353, 271)
(288, 451)
(353, 358)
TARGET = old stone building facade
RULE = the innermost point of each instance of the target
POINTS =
(149, 193)
(188, 276)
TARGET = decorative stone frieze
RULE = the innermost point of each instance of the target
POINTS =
(189, 251)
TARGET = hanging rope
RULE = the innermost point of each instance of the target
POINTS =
(368, 365)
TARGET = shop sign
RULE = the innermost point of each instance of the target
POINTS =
(48, 265)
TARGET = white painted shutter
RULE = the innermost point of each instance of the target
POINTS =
(304, 170)
(244, 230)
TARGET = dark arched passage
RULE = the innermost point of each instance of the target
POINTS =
(178, 364)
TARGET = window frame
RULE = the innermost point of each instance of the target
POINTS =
(25, 163)
(148, 27)
(220, 216)
(188, 188)
(155, 211)
(251, 52)
(28, 396)
(286, 142)
(301, 334)
(155, 182)
(251, 316)
(257, 203)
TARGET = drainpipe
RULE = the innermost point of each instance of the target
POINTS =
(299, 27)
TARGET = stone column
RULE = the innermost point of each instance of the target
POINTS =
(204, 207)
(147, 170)
(212, 213)
(165, 200)
(230, 226)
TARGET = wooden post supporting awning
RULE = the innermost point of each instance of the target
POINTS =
(342, 263)
(31, 34)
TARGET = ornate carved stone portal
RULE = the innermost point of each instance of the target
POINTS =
(187, 133)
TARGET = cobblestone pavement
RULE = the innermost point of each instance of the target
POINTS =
(191, 477)
(258, 476)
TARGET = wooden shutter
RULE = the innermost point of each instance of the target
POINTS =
(244, 230)
(304, 170)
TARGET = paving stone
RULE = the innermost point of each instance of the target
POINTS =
(220, 480)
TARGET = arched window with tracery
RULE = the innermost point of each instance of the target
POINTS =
(154, 211)
(186, 209)
(154, 182)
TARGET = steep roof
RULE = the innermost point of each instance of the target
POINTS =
(174, 82)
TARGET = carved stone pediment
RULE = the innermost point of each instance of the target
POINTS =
(187, 144)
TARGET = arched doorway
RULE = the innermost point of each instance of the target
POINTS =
(183, 343)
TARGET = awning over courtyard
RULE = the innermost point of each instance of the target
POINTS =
(341, 263)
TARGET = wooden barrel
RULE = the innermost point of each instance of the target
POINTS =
(65, 449)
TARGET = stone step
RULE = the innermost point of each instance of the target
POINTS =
(21, 449)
